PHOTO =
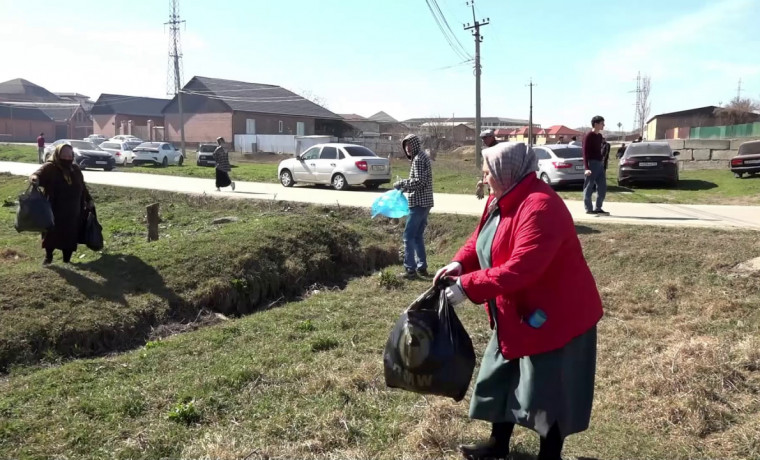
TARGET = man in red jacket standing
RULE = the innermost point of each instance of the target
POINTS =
(593, 162)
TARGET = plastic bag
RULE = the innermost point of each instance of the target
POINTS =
(34, 212)
(91, 233)
(428, 350)
(392, 203)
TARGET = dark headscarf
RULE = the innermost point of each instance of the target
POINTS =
(414, 142)
(509, 163)
(66, 168)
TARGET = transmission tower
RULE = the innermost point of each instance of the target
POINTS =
(739, 90)
(637, 123)
(174, 75)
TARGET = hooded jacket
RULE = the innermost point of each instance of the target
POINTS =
(420, 182)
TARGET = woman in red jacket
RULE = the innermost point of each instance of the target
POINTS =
(525, 263)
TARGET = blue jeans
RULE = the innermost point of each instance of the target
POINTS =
(414, 243)
(597, 180)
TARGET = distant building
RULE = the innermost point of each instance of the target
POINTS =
(486, 122)
(363, 127)
(553, 134)
(115, 114)
(24, 124)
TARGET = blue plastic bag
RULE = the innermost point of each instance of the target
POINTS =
(392, 204)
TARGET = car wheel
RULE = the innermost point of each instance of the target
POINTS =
(286, 178)
(109, 168)
(198, 163)
(165, 162)
(545, 178)
(339, 182)
(372, 186)
(181, 161)
(738, 175)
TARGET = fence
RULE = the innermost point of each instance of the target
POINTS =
(725, 132)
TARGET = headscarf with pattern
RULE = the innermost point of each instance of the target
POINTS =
(509, 163)
(66, 169)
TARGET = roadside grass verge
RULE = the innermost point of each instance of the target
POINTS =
(678, 370)
(457, 174)
(119, 297)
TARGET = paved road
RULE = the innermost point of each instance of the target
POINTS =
(725, 217)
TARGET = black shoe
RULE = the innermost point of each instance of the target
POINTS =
(591, 212)
(47, 261)
(408, 274)
(423, 272)
(601, 212)
(485, 450)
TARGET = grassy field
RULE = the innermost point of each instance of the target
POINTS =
(678, 371)
(457, 174)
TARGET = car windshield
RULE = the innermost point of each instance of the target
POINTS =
(83, 145)
(208, 148)
(359, 151)
(148, 146)
(648, 149)
(568, 153)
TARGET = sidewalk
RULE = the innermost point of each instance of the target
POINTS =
(713, 216)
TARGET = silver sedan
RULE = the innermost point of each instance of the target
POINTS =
(560, 164)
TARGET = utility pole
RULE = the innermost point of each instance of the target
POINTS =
(530, 116)
(175, 54)
(739, 91)
(475, 27)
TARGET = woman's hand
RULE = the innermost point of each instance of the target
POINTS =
(34, 180)
(452, 269)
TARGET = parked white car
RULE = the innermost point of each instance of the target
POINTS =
(121, 151)
(126, 138)
(560, 164)
(341, 165)
(96, 139)
(157, 153)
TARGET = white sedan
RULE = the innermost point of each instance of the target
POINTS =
(156, 153)
(341, 165)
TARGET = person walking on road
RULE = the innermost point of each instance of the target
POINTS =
(525, 264)
(489, 140)
(223, 168)
(593, 162)
(63, 185)
(420, 189)
(41, 148)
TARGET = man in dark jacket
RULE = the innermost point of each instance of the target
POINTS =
(420, 189)
(593, 162)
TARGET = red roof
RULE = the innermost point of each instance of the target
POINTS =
(562, 130)
(524, 131)
(501, 132)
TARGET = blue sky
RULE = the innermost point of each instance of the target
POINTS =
(362, 56)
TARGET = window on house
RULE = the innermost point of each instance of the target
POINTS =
(280, 125)
(300, 128)
(250, 126)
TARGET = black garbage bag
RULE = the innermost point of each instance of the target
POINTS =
(429, 351)
(34, 212)
(91, 232)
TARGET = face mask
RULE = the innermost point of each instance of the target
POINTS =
(66, 162)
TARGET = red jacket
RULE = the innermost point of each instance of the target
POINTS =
(537, 263)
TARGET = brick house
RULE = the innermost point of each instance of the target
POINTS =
(215, 107)
(23, 124)
(553, 134)
(115, 114)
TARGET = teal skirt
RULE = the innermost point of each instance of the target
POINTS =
(540, 390)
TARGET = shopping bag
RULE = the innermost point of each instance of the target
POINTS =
(34, 213)
(91, 232)
(392, 203)
(428, 350)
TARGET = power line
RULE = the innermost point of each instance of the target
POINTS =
(475, 27)
(450, 38)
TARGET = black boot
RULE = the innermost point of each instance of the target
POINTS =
(48, 257)
(551, 445)
(67, 257)
(496, 447)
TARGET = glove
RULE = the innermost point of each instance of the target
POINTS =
(398, 185)
(455, 294)
(453, 269)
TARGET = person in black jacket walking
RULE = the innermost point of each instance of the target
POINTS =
(223, 168)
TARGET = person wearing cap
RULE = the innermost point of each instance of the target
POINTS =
(223, 168)
(489, 140)
(524, 263)
(420, 189)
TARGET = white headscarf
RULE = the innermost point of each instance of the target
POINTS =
(509, 163)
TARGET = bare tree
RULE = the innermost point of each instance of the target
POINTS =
(738, 111)
(319, 100)
(645, 104)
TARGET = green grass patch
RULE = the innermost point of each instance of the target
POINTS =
(678, 367)
(19, 153)
(133, 290)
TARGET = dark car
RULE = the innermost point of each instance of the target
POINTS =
(205, 155)
(648, 162)
(748, 159)
(86, 154)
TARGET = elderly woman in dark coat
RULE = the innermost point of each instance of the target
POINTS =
(525, 264)
(63, 184)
